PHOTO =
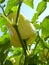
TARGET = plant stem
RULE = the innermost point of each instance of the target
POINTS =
(7, 19)
(2, 7)
(18, 11)
(46, 38)
(37, 41)
(22, 42)
(20, 38)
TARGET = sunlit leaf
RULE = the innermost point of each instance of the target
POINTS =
(41, 7)
(4, 29)
(10, 4)
(38, 48)
(29, 3)
(45, 27)
(4, 37)
(37, 26)
(2, 22)
(14, 9)
(35, 17)
(17, 52)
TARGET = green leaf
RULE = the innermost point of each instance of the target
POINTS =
(41, 7)
(2, 56)
(39, 48)
(10, 4)
(44, 43)
(2, 22)
(1, 1)
(5, 43)
(17, 52)
(45, 27)
(4, 37)
(35, 17)
(37, 26)
(29, 3)
(8, 62)
(14, 9)
(4, 29)
(46, 0)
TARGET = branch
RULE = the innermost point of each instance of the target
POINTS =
(37, 41)
(16, 27)
(2, 7)
(7, 19)
(22, 42)
(46, 38)
(18, 11)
